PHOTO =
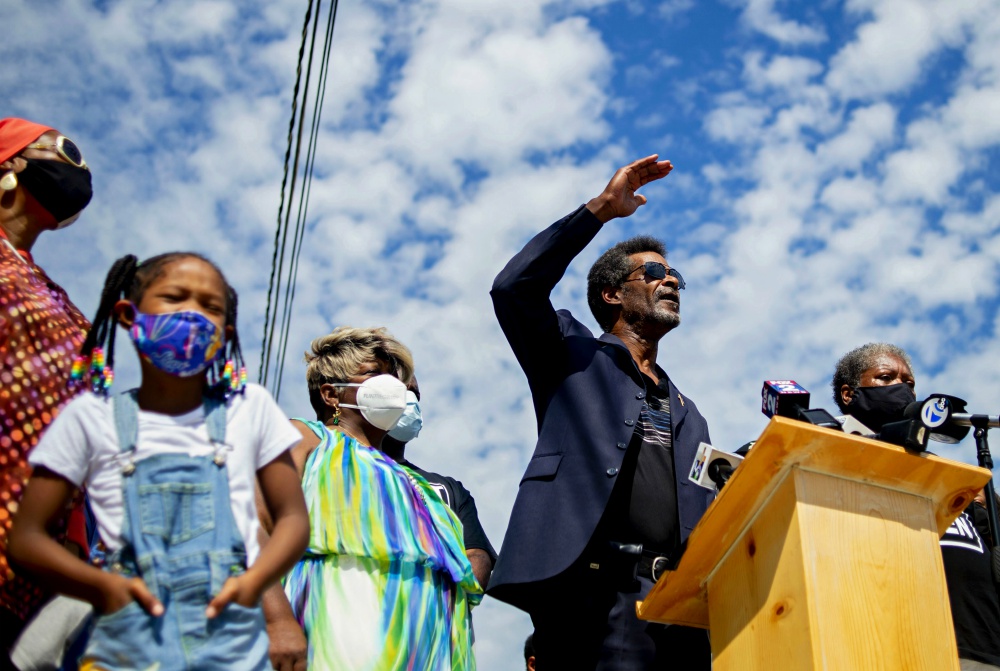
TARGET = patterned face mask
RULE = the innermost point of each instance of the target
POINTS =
(178, 343)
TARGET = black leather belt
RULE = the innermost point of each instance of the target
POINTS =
(652, 565)
(625, 562)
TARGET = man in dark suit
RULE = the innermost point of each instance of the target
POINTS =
(605, 498)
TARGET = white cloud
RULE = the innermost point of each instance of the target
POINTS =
(869, 129)
(898, 39)
(670, 9)
(790, 73)
(850, 195)
(760, 15)
(738, 123)
(488, 100)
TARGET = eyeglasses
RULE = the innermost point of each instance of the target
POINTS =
(658, 271)
(65, 148)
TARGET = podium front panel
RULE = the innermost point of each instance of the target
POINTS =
(837, 575)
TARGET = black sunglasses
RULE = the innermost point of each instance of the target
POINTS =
(658, 271)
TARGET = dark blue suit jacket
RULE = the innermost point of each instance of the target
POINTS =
(587, 394)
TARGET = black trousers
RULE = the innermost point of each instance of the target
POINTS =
(586, 621)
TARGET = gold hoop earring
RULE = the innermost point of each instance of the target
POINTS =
(336, 417)
(8, 182)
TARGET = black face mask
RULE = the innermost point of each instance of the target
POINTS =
(62, 189)
(877, 406)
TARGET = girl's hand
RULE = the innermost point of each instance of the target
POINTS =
(120, 591)
(239, 590)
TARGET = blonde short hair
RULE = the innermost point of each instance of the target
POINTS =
(337, 356)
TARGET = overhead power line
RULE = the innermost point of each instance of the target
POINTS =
(285, 258)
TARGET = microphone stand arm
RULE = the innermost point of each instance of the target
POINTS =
(981, 425)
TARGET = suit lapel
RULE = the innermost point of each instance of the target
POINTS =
(678, 410)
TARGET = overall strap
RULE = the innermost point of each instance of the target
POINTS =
(126, 410)
(215, 419)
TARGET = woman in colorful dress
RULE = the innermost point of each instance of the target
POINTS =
(385, 583)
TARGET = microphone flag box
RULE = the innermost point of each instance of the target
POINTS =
(780, 397)
(706, 455)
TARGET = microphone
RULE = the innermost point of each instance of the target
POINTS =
(720, 471)
(787, 398)
(782, 397)
(946, 418)
(712, 468)
(939, 417)
(910, 434)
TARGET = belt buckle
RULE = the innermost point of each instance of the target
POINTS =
(658, 561)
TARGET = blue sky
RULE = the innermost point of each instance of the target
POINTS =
(835, 184)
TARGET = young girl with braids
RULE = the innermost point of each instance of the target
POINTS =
(170, 469)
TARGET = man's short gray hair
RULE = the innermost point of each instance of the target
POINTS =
(852, 366)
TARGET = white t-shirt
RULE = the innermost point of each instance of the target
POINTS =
(82, 446)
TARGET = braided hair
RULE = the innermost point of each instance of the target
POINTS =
(129, 279)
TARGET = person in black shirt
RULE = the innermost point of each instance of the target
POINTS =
(874, 383)
(478, 549)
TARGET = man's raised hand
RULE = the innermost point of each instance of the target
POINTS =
(619, 198)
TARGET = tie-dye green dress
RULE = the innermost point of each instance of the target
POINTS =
(385, 583)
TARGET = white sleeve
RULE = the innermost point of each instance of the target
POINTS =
(275, 433)
(65, 448)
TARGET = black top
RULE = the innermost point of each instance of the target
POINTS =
(643, 506)
(975, 607)
(460, 500)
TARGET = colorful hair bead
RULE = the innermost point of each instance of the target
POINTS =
(79, 365)
(231, 381)
(97, 360)
(99, 376)
(107, 379)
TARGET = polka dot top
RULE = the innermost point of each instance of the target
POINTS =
(41, 332)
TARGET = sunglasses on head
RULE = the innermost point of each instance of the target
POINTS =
(66, 148)
(658, 271)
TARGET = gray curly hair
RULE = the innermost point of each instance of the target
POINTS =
(852, 366)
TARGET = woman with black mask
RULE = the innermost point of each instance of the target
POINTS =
(874, 383)
(44, 185)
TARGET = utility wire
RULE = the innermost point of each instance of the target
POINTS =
(300, 224)
(284, 273)
(277, 257)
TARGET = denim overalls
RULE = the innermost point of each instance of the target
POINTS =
(180, 537)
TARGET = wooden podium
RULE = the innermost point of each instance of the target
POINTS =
(822, 552)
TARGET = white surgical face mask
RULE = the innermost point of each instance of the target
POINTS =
(409, 425)
(381, 400)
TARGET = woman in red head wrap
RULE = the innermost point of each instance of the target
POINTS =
(44, 185)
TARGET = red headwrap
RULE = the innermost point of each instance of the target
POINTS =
(16, 134)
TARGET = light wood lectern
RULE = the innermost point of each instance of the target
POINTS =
(822, 552)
